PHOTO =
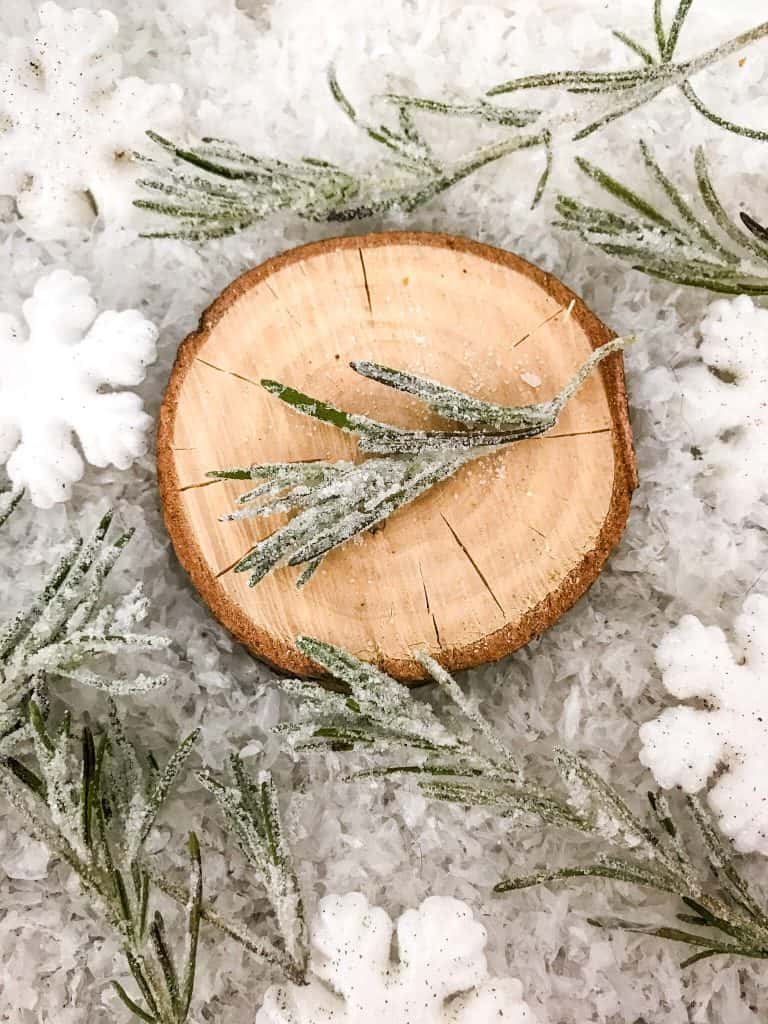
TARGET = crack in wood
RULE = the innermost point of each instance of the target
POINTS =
(192, 487)
(287, 310)
(429, 609)
(575, 433)
(229, 568)
(474, 565)
(552, 316)
(365, 282)
(230, 373)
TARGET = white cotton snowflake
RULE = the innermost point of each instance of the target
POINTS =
(685, 746)
(69, 122)
(52, 385)
(440, 976)
(725, 404)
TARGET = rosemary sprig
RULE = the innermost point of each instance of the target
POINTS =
(679, 246)
(62, 631)
(241, 189)
(214, 188)
(635, 87)
(377, 714)
(333, 502)
(251, 811)
(92, 800)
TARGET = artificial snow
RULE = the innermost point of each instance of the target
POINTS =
(440, 976)
(53, 385)
(685, 745)
(255, 71)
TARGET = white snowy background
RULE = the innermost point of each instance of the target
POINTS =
(254, 71)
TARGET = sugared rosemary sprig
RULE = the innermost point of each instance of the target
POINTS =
(251, 811)
(63, 631)
(228, 189)
(92, 800)
(379, 715)
(333, 502)
(657, 72)
(679, 245)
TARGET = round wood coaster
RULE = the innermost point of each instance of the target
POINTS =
(481, 563)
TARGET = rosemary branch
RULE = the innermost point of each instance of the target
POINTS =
(377, 714)
(680, 246)
(62, 631)
(334, 502)
(252, 813)
(236, 189)
(93, 800)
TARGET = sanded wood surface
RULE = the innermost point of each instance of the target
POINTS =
(477, 566)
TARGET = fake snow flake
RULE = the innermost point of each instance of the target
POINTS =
(685, 746)
(441, 976)
(725, 404)
(52, 385)
(69, 123)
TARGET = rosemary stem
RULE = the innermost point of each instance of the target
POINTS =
(723, 50)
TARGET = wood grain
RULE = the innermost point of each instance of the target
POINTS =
(483, 562)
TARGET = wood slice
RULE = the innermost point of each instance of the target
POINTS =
(481, 563)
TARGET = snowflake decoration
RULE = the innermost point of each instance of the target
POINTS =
(441, 976)
(53, 385)
(69, 123)
(725, 404)
(685, 746)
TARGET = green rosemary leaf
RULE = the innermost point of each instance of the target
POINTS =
(477, 111)
(658, 26)
(541, 184)
(165, 960)
(193, 925)
(703, 954)
(313, 407)
(9, 502)
(687, 214)
(736, 129)
(633, 45)
(674, 33)
(340, 97)
(616, 869)
(88, 779)
(136, 970)
(720, 858)
(132, 1006)
(144, 822)
(597, 81)
(470, 711)
(754, 227)
(26, 776)
(628, 197)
